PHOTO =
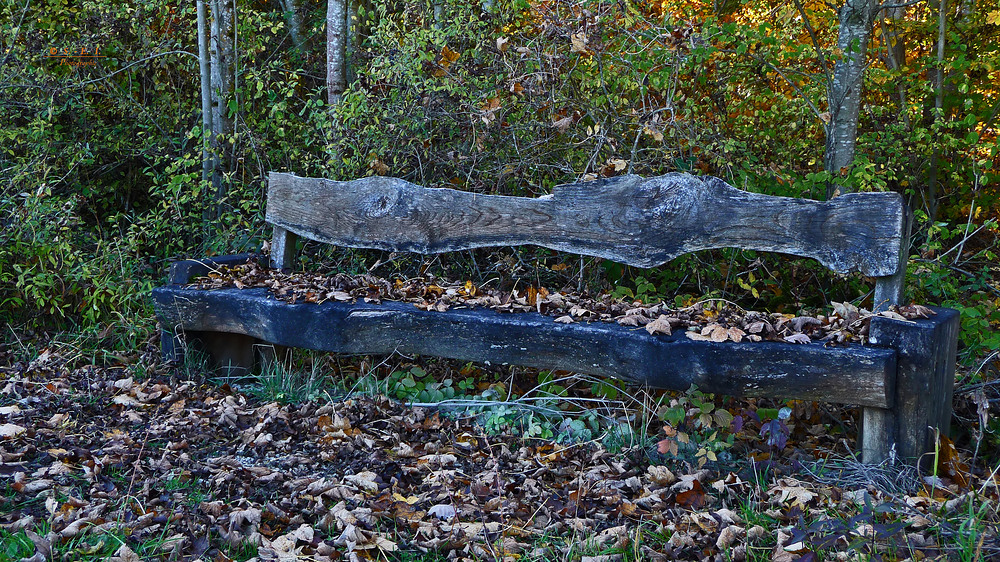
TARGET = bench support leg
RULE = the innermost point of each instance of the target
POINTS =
(282, 248)
(925, 379)
(171, 347)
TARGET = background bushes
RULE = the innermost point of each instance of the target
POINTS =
(100, 166)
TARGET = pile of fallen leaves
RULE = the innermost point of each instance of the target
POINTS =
(96, 463)
(715, 320)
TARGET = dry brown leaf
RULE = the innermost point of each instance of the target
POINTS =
(634, 320)
(442, 511)
(798, 338)
(735, 334)
(659, 326)
(718, 334)
(9, 430)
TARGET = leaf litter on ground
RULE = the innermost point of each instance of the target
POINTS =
(183, 470)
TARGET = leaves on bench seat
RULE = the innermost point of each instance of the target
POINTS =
(715, 320)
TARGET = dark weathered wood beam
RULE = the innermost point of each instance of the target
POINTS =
(852, 375)
(639, 221)
(925, 383)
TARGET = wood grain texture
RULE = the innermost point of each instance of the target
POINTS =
(889, 290)
(629, 219)
(925, 382)
(282, 248)
(853, 375)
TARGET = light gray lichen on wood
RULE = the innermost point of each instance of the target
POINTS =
(638, 221)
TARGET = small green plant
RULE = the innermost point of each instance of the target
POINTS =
(575, 429)
(645, 291)
(416, 385)
(15, 546)
(280, 382)
(694, 423)
(498, 419)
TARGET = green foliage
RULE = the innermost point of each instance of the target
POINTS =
(15, 546)
(283, 382)
(416, 385)
(100, 166)
(693, 425)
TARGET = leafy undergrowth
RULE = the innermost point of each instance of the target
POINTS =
(136, 462)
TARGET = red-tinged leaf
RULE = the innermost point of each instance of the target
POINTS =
(693, 498)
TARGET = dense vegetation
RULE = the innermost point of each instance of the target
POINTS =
(101, 181)
(100, 162)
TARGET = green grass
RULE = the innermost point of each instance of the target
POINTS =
(15, 546)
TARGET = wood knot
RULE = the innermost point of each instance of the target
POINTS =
(379, 204)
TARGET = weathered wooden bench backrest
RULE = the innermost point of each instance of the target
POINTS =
(629, 219)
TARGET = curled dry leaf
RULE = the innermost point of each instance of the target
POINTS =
(660, 475)
(634, 320)
(442, 511)
(717, 334)
(11, 430)
(798, 338)
(565, 319)
(730, 535)
(659, 326)
(893, 315)
(735, 334)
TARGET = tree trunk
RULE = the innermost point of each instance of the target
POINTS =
(896, 55)
(336, 49)
(294, 19)
(221, 48)
(207, 161)
(857, 18)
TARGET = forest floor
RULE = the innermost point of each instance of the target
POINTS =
(137, 460)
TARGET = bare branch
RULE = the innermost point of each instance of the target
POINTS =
(894, 6)
(815, 42)
(134, 63)
(17, 30)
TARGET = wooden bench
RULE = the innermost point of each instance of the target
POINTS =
(902, 379)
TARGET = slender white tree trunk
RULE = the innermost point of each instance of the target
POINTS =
(207, 168)
(857, 18)
(336, 50)
(221, 51)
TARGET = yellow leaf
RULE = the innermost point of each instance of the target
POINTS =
(993, 18)
(448, 56)
(408, 500)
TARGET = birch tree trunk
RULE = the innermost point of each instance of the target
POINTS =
(336, 50)
(857, 19)
(294, 19)
(221, 47)
(205, 65)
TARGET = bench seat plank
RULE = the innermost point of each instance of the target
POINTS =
(643, 222)
(852, 375)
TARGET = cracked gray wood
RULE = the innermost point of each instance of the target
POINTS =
(638, 221)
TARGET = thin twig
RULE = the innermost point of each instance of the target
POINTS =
(815, 42)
